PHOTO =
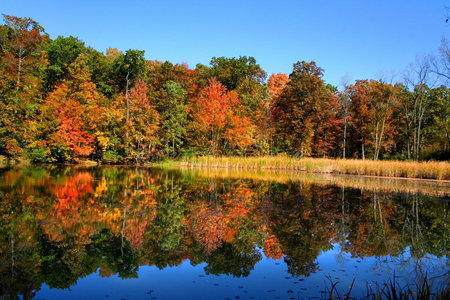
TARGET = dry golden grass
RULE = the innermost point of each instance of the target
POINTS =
(380, 184)
(424, 170)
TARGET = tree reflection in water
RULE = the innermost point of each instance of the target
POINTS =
(59, 224)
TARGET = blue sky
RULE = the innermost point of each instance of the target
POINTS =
(360, 39)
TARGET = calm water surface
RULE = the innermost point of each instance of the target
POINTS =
(126, 233)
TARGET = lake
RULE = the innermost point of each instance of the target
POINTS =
(71, 232)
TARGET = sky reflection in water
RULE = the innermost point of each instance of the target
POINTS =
(116, 233)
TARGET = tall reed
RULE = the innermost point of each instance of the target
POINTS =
(380, 184)
(424, 170)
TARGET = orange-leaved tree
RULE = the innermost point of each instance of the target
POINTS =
(22, 60)
(218, 114)
(277, 83)
(372, 107)
(72, 114)
(142, 124)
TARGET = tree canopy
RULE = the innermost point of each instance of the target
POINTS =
(63, 101)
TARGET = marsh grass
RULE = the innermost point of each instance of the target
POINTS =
(422, 290)
(392, 290)
(423, 170)
(379, 184)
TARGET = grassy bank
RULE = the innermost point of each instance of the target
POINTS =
(424, 170)
(19, 161)
(376, 184)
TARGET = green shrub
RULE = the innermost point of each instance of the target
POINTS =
(111, 157)
(188, 153)
(59, 154)
(38, 155)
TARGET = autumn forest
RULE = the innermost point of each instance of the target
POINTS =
(63, 101)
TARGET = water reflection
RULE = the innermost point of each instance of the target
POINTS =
(62, 224)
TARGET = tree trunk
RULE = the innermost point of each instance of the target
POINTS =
(128, 102)
(19, 71)
(345, 137)
(126, 95)
(376, 141)
(408, 142)
(362, 146)
(381, 135)
(379, 138)
(418, 141)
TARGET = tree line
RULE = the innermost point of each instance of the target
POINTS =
(62, 101)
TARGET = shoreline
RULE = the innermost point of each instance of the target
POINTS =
(435, 188)
(254, 169)
(421, 171)
(432, 170)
